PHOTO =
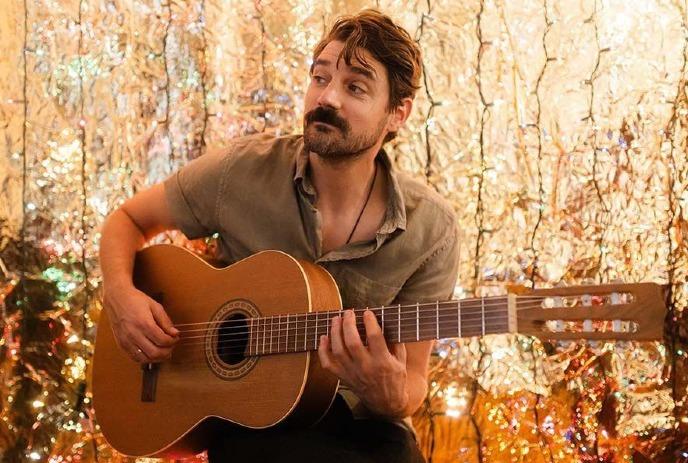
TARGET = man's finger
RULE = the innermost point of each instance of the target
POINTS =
(376, 341)
(339, 350)
(352, 339)
(326, 360)
(163, 320)
(142, 349)
(399, 351)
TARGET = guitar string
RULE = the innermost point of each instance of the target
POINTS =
(463, 303)
(298, 335)
(267, 332)
(472, 307)
(477, 308)
(297, 325)
(359, 311)
(311, 317)
(296, 329)
(192, 357)
(189, 353)
(197, 358)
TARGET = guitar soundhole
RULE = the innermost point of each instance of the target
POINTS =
(232, 339)
(227, 346)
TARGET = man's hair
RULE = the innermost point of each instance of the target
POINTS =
(390, 44)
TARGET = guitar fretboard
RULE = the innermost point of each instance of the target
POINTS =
(399, 323)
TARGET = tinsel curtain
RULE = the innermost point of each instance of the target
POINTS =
(557, 129)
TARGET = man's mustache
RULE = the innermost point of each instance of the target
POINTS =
(327, 116)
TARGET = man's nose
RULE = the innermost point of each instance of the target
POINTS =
(330, 96)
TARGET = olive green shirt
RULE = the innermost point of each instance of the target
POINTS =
(257, 195)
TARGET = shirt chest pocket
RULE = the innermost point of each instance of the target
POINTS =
(359, 291)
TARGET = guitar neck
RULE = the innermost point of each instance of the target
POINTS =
(400, 323)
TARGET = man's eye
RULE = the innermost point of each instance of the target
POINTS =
(356, 89)
(319, 79)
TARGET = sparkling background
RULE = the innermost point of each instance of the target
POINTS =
(557, 129)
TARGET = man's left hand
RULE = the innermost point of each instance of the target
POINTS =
(376, 374)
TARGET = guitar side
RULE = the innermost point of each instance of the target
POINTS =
(174, 410)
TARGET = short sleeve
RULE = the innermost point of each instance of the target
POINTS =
(436, 278)
(192, 194)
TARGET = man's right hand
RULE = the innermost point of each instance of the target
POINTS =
(141, 326)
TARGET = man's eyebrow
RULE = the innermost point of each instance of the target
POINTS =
(320, 62)
(363, 71)
(370, 74)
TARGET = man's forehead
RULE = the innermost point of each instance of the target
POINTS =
(332, 55)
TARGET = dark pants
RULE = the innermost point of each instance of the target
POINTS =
(336, 438)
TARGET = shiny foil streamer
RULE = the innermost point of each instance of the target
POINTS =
(557, 130)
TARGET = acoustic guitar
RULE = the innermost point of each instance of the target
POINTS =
(249, 332)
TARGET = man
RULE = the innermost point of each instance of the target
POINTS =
(330, 196)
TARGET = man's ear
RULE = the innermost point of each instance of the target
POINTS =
(399, 115)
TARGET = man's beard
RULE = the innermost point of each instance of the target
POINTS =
(335, 142)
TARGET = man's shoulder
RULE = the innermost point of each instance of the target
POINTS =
(256, 159)
(262, 145)
(424, 203)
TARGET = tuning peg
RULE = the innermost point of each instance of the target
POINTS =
(559, 302)
(615, 299)
(586, 301)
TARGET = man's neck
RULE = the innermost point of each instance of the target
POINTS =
(341, 185)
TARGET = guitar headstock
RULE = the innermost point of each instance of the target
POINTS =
(632, 311)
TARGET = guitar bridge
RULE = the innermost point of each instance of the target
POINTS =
(149, 381)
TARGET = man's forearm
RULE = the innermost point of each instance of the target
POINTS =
(416, 388)
(120, 241)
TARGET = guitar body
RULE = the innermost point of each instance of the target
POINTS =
(172, 408)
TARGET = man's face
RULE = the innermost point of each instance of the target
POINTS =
(346, 106)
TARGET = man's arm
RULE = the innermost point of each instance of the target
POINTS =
(128, 228)
(391, 380)
(417, 360)
(185, 201)
(434, 281)
(141, 326)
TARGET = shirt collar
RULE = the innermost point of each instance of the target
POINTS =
(395, 217)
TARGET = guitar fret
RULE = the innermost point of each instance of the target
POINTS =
(305, 331)
(360, 327)
(296, 332)
(417, 321)
(271, 320)
(437, 320)
(315, 338)
(399, 323)
(250, 335)
(458, 319)
(286, 338)
(265, 333)
(279, 334)
(482, 305)
(383, 321)
(257, 334)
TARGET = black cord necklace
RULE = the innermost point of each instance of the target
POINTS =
(370, 191)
